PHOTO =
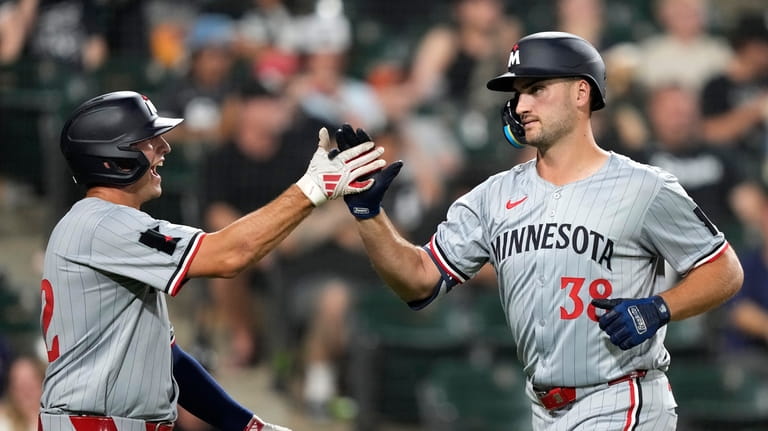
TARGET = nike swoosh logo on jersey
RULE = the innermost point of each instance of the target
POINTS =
(511, 204)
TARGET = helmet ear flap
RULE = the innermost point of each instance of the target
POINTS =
(512, 126)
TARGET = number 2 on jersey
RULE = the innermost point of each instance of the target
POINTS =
(598, 289)
(47, 293)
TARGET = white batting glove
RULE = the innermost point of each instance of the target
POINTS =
(256, 424)
(328, 178)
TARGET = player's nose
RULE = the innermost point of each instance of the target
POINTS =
(523, 104)
(165, 148)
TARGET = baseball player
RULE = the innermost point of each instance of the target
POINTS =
(578, 237)
(113, 364)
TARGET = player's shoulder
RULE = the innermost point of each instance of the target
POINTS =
(92, 213)
(516, 173)
(634, 169)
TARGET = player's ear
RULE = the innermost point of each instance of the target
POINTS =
(583, 92)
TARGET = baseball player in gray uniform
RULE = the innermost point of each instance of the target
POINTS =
(578, 238)
(113, 362)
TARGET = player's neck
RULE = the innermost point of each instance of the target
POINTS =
(115, 195)
(570, 161)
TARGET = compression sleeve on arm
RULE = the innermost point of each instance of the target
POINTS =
(202, 396)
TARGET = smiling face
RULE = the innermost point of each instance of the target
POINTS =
(547, 108)
(149, 185)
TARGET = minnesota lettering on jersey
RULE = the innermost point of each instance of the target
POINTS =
(554, 236)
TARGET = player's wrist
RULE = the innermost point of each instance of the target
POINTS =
(312, 190)
(662, 309)
(360, 209)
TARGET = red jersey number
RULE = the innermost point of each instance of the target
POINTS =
(598, 289)
(47, 296)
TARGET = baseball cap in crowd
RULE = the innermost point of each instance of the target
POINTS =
(211, 30)
(320, 34)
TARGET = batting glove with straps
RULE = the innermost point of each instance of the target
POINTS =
(256, 424)
(332, 173)
(629, 322)
(368, 203)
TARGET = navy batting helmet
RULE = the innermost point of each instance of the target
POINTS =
(96, 140)
(553, 54)
(549, 54)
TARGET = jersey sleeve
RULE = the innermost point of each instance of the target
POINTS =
(677, 229)
(132, 244)
(458, 247)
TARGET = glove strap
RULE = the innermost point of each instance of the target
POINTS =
(312, 190)
(662, 308)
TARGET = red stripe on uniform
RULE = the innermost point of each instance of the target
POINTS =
(440, 260)
(181, 276)
(712, 257)
(632, 406)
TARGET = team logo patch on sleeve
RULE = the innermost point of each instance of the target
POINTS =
(153, 238)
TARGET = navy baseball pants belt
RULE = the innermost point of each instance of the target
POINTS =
(559, 397)
(106, 423)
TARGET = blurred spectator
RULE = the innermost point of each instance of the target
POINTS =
(583, 18)
(264, 41)
(447, 79)
(264, 24)
(323, 269)
(201, 95)
(71, 32)
(127, 30)
(708, 174)
(16, 20)
(322, 88)
(326, 271)
(684, 51)
(204, 95)
(237, 178)
(168, 22)
(21, 404)
(735, 103)
(622, 126)
(412, 202)
(747, 326)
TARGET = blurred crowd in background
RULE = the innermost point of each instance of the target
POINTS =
(255, 80)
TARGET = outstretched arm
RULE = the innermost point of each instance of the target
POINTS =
(330, 174)
(406, 268)
(228, 251)
(202, 396)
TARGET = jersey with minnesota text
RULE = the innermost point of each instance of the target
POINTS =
(555, 248)
(105, 320)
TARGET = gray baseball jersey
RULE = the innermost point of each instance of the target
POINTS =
(555, 248)
(104, 318)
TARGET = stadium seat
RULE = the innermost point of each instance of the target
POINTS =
(459, 395)
(714, 395)
(392, 350)
(491, 329)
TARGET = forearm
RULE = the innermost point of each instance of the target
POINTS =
(404, 267)
(228, 251)
(705, 287)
